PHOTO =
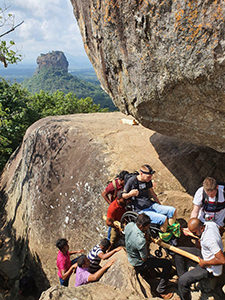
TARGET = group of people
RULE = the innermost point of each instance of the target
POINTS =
(87, 268)
(137, 191)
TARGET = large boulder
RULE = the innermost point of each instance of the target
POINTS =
(162, 62)
(51, 188)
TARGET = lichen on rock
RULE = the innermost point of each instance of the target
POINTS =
(162, 62)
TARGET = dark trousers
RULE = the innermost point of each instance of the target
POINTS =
(186, 278)
(152, 263)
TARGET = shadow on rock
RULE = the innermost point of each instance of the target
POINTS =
(189, 163)
(21, 273)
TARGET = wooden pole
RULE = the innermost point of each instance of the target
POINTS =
(176, 250)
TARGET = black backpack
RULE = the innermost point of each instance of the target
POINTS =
(129, 175)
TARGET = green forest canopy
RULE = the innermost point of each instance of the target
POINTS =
(19, 109)
(52, 79)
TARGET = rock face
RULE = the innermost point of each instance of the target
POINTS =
(53, 189)
(162, 62)
(54, 59)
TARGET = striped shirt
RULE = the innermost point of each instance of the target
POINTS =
(93, 256)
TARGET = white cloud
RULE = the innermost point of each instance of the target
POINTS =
(48, 25)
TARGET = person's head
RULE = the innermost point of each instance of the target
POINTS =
(143, 222)
(121, 201)
(105, 244)
(146, 173)
(83, 261)
(121, 177)
(196, 226)
(210, 186)
(62, 245)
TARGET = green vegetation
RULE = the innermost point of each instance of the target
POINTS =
(85, 74)
(7, 54)
(51, 80)
(19, 109)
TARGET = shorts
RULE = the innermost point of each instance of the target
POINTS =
(159, 213)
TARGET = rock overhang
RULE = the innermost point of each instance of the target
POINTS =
(162, 62)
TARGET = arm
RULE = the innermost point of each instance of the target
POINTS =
(143, 251)
(75, 252)
(129, 190)
(132, 193)
(195, 211)
(67, 274)
(105, 196)
(154, 196)
(219, 259)
(110, 253)
(99, 273)
(110, 222)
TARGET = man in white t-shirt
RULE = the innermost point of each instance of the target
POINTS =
(209, 202)
(211, 257)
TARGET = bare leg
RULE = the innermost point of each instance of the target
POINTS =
(164, 226)
(173, 219)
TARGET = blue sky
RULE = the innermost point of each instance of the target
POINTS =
(48, 25)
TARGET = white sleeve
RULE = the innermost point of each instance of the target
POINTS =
(213, 246)
(198, 197)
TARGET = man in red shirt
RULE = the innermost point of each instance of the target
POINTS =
(110, 192)
(115, 211)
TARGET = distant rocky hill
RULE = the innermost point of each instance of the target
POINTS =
(54, 60)
(52, 75)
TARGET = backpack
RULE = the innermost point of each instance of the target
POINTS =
(213, 207)
(127, 176)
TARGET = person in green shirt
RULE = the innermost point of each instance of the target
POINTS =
(138, 254)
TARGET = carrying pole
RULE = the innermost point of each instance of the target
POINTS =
(176, 250)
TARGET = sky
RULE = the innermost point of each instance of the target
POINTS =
(48, 25)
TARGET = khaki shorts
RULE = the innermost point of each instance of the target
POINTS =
(115, 235)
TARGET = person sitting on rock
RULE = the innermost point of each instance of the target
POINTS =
(98, 253)
(140, 189)
(83, 276)
(117, 184)
(136, 242)
(211, 258)
(114, 213)
(64, 264)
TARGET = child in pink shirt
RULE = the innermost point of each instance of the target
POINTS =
(64, 264)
